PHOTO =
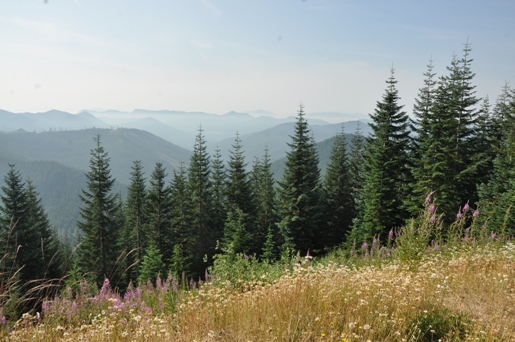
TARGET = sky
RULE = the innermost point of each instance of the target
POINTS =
(218, 56)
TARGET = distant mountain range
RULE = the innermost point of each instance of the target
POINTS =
(72, 148)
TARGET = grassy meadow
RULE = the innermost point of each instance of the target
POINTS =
(412, 288)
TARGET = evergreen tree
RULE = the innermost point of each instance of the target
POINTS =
(426, 133)
(338, 193)
(99, 224)
(27, 239)
(497, 197)
(267, 231)
(356, 167)
(386, 172)
(218, 180)
(136, 221)
(448, 161)
(13, 220)
(184, 238)
(159, 212)
(152, 265)
(239, 202)
(49, 255)
(200, 192)
(299, 205)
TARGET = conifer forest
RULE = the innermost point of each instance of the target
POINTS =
(450, 157)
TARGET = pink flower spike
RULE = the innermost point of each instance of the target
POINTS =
(428, 199)
(459, 215)
(476, 213)
(432, 209)
(466, 207)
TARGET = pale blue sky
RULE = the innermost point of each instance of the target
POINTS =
(222, 55)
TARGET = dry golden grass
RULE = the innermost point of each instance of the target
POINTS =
(469, 291)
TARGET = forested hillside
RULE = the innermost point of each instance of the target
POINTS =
(452, 161)
(72, 148)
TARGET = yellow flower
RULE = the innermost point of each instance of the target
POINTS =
(323, 335)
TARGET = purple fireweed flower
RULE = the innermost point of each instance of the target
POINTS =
(428, 199)
(466, 207)
(105, 289)
(492, 237)
(476, 213)
(459, 215)
(3, 320)
(364, 246)
(246, 257)
(432, 209)
(437, 248)
(390, 234)
(432, 219)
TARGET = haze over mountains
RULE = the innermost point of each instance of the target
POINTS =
(52, 148)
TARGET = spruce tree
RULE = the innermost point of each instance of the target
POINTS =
(136, 236)
(218, 180)
(99, 224)
(386, 173)
(426, 133)
(299, 205)
(338, 193)
(159, 212)
(356, 167)
(49, 255)
(267, 231)
(184, 238)
(497, 196)
(200, 192)
(239, 203)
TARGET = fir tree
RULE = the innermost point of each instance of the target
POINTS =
(218, 180)
(136, 220)
(239, 202)
(184, 238)
(385, 177)
(299, 205)
(49, 255)
(200, 192)
(152, 265)
(266, 227)
(338, 193)
(99, 224)
(356, 167)
(159, 212)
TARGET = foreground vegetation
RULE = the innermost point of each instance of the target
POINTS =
(413, 290)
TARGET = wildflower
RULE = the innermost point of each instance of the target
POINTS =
(366, 327)
(390, 234)
(432, 209)
(323, 335)
(459, 215)
(245, 256)
(476, 213)
(432, 219)
(466, 207)
(3, 320)
(352, 325)
(428, 199)
(364, 246)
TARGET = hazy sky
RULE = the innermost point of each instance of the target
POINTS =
(243, 55)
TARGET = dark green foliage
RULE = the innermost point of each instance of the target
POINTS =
(267, 232)
(239, 228)
(439, 325)
(49, 255)
(497, 197)
(385, 175)
(159, 212)
(136, 235)
(299, 205)
(99, 224)
(184, 238)
(449, 159)
(30, 248)
(200, 192)
(338, 194)
(218, 180)
(152, 265)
